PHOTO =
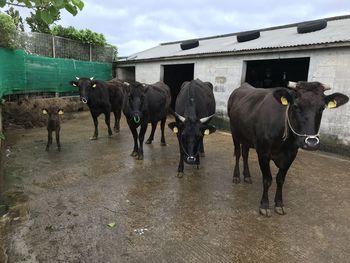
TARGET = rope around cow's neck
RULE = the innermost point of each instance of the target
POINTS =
(288, 124)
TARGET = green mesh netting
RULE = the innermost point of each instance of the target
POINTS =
(23, 73)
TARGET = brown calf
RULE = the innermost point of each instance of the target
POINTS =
(53, 124)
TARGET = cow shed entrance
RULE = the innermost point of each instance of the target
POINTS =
(126, 73)
(175, 75)
(276, 72)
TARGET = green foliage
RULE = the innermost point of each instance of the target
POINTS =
(8, 32)
(17, 19)
(45, 12)
(37, 24)
(85, 36)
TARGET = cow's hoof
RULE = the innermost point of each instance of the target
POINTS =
(93, 138)
(134, 154)
(59, 149)
(236, 180)
(180, 175)
(265, 212)
(279, 210)
(202, 154)
(116, 130)
(162, 143)
(248, 180)
(148, 141)
(47, 149)
(140, 157)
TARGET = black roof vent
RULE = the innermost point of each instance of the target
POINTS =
(311, 26)
(189, 44)
(247, 36)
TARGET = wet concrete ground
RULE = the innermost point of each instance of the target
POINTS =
(62, 203)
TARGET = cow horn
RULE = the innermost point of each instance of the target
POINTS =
(292, 84)
(182, 119)
(326, 87)
(205, 119)
(126, 83)
(77, 77)
(91, 78)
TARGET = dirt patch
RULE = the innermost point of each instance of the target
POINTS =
(27, 113)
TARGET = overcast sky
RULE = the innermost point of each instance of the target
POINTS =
(134, 26)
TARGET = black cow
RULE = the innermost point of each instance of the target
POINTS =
(194, 108)
(102, 97)
(276, 122)
(53, 125)
(146, 104)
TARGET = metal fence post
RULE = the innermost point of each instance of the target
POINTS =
(57, 94)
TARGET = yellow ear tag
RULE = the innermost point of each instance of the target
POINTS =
(94, 86)
(44, 112)
(332, 104)
(206, 132)
(175, 130)
(284, 101)
(60, 112)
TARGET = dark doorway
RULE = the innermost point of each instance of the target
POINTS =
(126, 73)
(175, 75)
(276, 72)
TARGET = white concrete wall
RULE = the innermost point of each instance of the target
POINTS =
(329, 66)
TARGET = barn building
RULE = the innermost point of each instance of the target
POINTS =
(308, 51)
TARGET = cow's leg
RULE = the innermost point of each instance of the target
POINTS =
(264, 162)
(284, 164)
(141, 138)
(180, 168)
(246, 172)
(108, 122)
(58, 140)
(49, 139)
(236, 174)
(94, 117)
(134, 135)
(151, 136)
(162, 138)
(117, 116)
(198, 160)
(201, 147)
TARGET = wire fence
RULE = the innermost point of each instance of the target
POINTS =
(58, 47)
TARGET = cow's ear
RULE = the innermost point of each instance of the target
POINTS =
(44, 111)
(73, 83)
(283, 96)
(208, 129)
(335, 100)
(173, 126)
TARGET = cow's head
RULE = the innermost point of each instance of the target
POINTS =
(52, 112)
(190, 132)
(86, 87)
(306, 102)
(136, 101)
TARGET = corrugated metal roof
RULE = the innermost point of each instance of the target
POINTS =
(337, 31)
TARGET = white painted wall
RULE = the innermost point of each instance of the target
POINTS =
(329, 66)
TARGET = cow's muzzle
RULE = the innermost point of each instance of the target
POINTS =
(191, 160)
(83, 100)
(312, 143)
